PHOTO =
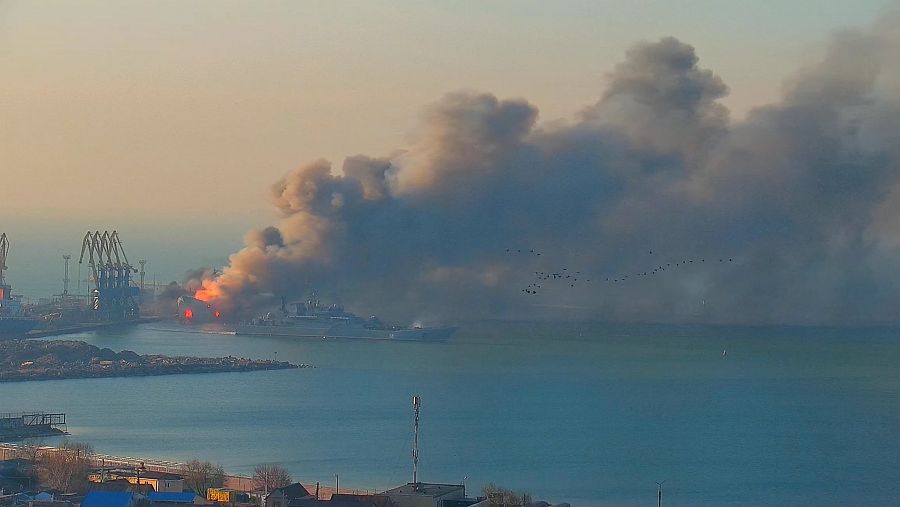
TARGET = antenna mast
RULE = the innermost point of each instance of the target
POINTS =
(66, 277)
(143, 263)
(417, 402)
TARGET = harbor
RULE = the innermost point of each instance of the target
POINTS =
(114, 297)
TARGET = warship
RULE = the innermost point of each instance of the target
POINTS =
(312, 319)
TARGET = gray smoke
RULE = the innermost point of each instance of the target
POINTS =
(803, 194)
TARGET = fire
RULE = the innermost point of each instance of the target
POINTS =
(188, 313)
(217, 314)
(209, 292)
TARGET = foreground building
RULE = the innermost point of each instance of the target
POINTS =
(167, 499)
(423, 494)
(283, 497)
(109, 499)
(162, 482)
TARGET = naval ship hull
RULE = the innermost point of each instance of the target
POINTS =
(313, 330)
(325, 325)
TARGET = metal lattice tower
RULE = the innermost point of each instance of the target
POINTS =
(143, 263)
(4, 250)
(417, 402)
(66, 276)
(114, 295)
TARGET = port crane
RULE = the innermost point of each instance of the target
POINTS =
(113, 297)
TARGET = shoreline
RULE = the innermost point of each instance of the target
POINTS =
(31, 360)
(10, 449)
(4, 378)
(92, 326)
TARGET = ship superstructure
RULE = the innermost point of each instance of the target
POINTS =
(313, 319)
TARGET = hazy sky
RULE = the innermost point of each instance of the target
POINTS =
(158, 108)
(164, 119)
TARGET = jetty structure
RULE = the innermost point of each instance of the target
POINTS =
(22, 425)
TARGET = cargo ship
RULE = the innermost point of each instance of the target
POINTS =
(13, 321)
(312, 319)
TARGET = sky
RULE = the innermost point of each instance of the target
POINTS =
(171, 121)
(139, 109)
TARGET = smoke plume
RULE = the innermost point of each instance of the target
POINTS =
(803, 195)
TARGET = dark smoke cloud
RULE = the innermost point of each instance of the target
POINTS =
(804, 194)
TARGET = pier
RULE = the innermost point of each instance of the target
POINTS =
(22, 425)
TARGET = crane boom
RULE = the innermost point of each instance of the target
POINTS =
(113, 296)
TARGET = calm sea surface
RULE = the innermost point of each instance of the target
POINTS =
(591, 414)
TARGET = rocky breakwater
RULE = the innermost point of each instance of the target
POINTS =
(22, 360)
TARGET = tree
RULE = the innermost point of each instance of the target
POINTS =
(268, 477)
(66, 467)
(502, 497)
(30, 450)
(202, 475)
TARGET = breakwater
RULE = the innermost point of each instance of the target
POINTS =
(24, 360)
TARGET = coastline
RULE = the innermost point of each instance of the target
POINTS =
(30, 360)
(147, 372)
(9, 450)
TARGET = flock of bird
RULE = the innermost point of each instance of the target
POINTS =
(571, 278)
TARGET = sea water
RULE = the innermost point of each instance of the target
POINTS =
(592, 414)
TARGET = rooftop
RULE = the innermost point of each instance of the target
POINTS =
(425, 489)
(295, 490)
(187, 497)
(107, 499)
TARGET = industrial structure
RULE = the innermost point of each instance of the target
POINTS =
(16, 426)
(114, 295)
(4, 250)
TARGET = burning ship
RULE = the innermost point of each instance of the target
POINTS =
(13, 321)
(312, 319)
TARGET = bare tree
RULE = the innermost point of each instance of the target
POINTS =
(30, 451)
(202, 475)
(502, 497)
(66, 467)
(268, 477)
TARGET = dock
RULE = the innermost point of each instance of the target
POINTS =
(22, 425)
(90, 326)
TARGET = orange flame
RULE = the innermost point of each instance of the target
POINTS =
(188, 313)
(209, 292)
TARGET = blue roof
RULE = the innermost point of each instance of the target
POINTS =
(187, 497)
(107, 499)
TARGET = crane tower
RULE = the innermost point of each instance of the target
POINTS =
(114, 296)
